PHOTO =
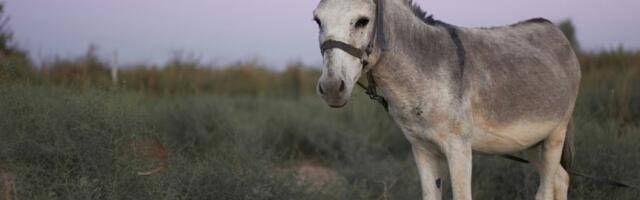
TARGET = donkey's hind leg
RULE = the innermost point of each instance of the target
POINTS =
(548, 165)
(561, 188)
(561, 185)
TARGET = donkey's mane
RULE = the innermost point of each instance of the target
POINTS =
(420, 13)
(429, 19)
(451, 29)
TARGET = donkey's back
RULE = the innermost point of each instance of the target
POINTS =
(520, 81)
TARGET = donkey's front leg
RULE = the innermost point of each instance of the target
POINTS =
(431, 168)
(459, 157)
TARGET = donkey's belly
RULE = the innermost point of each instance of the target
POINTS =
(516, 136)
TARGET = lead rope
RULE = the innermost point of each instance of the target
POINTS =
(599, 179)
(379, 38)
(370, 90)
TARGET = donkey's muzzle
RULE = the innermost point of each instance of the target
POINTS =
(333, 91)
(331, 88)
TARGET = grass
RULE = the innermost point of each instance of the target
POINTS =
(68, 131)
(63, 143)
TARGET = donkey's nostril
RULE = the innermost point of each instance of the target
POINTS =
(342, 86)
(320, 89)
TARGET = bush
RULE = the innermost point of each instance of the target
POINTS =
(68, 144)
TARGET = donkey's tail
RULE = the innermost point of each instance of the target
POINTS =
(569, 149)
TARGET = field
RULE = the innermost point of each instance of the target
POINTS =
(69, 131)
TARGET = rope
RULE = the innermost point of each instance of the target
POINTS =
(370, 90)
(598, 179)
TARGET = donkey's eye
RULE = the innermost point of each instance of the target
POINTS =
(362, 22)
(318, 22)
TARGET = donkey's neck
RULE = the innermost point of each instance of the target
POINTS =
(421, 58)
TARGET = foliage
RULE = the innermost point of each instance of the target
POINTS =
(569, 31)
(5, 34)
(242, 132)
(76, 144)
(14, 64)
(182, 76)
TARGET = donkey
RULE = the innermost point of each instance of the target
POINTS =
(455, 90)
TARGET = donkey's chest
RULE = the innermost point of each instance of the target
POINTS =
(427, 122)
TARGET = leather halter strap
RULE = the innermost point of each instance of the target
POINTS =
(332, 44)
(379, 38)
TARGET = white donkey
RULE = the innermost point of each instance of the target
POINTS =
(454, 90)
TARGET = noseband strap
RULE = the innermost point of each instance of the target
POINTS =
(332, 44)
(378, 38)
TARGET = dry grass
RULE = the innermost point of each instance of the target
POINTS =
(246, 132)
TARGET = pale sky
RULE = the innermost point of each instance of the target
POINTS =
(275, 32)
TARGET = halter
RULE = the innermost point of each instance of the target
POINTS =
(363, 54)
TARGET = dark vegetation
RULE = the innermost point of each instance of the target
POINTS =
(71, 130)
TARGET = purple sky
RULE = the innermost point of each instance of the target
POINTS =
(273, 31)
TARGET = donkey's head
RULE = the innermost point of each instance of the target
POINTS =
(347, 31)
